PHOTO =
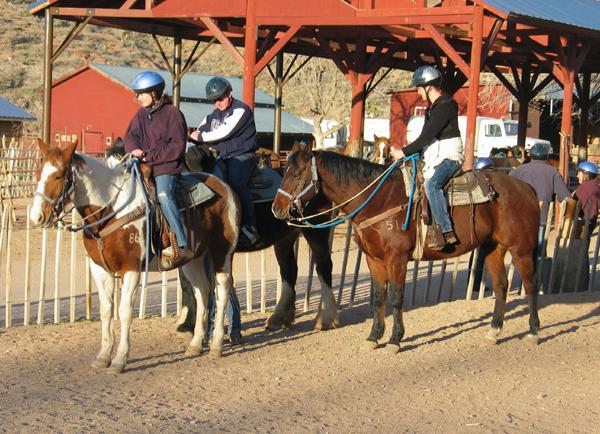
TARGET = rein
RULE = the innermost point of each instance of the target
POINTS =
(339, 220)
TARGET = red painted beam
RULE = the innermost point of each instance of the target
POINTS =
(441, 41)
(276, 48)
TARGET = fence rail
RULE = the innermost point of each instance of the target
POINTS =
(46, 274)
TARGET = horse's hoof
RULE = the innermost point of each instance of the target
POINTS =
(532, 339)
(116, 368)
(185, 328)
(492, 336)
(321, 324)
(369, 345)
(193, 350)
(100, 363)
(392, 348)
(216, 353)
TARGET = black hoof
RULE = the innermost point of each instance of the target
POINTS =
(185, 328)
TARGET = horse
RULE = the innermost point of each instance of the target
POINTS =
(109, 200)
(382, 150)
(273, 232)
(508, 223)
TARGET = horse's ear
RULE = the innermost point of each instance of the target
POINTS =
(70, 149)
(43, 146)
(375, 137)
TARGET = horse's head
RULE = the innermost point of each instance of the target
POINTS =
(382, 150)
(54, 183)
(299, 185)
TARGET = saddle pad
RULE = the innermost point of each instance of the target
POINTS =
(266, 190)
(457, 196)
(191, 191)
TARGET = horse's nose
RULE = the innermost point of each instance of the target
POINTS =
(36, 216)
(276, 210)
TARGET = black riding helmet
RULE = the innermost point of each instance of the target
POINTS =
(216, 88)
(426, 76)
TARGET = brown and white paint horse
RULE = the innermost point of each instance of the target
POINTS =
(97, 191)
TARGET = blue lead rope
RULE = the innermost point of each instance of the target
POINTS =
(340, 220)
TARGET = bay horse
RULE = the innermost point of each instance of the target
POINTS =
(112, 198)
(277, 233)
(508, 223)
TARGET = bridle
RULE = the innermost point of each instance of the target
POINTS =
(314, 183)
(58, 204)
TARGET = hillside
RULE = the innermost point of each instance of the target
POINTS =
(21, 56)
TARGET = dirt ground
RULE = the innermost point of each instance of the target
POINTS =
(445, 379)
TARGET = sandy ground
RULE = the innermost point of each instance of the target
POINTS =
(445, 379)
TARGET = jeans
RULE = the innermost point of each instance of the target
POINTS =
(435, 193)
(232, 312)
(239, 171)
(165, 185)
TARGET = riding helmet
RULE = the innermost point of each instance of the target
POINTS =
(483, 163)
(539, 151)
(588, 167)
(426, 76)
(148, 81)
(216, 88)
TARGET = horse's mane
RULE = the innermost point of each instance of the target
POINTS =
(345, 168)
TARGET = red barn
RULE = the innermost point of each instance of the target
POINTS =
(493, 101)
(95, 103)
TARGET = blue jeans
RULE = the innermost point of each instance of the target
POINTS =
(165, 186)
(232, 312)
(435, 193)
(239, 171)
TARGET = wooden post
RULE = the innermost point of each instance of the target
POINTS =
(454, 277)
(73, 269)
(8, 279)
(88, 288)
(179, 295)
(429, 273)
(441, 285)
(56, 276)
(263, 281)
(163, 298)
(472, 274)
(583, 252)
(248, 285)
(27, 301)
(311, 266)
(569, 243)
(344, 262)
(42, 294)
(143, 295)
(250, 53)
(475, 70)
(557, 241)
(355, 277)
(595, 263)
(414, 282)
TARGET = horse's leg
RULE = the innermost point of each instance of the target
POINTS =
(224, 282)
(283, 315)
(187, 317)
(195, 273)
(128, 290)
(396, 287)
(106, 287)
(494, 263)
(526, 265)
(327, 316)
(379, 282)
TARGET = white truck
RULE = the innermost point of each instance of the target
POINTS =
(490, 133)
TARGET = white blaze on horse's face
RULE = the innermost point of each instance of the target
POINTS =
(382, 153)
(41, 209)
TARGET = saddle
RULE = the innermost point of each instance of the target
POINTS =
(190, 192)
(464, 188)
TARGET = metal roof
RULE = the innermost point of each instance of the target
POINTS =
(9, 111)
(192, 87)
(578, 13)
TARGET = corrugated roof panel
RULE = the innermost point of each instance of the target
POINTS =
(10, 111)
(192, 86)
(579, 13)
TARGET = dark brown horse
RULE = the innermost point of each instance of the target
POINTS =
(509, 223)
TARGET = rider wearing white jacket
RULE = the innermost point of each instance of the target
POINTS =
(440, 144)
